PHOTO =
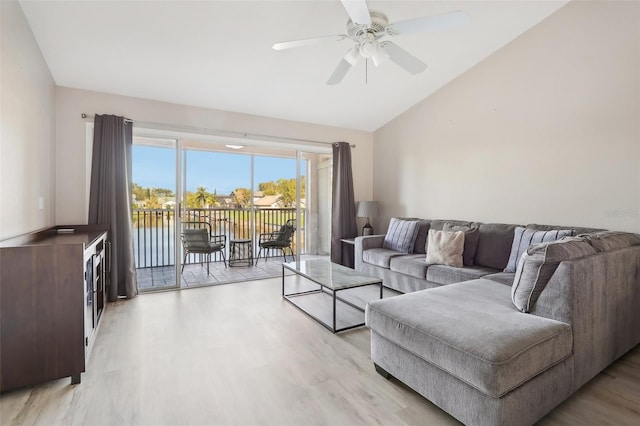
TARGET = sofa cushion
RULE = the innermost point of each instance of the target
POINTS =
(538, 264)
(505, 278)
(577, 230)
(524, 237)
(494, 245)
(401, 235)
(473, 332)
(379, 256)
(612, 240)
(471, 236)
(420, 245)
(443, 274)
(414, 265)
(438, 225)
(445, 248)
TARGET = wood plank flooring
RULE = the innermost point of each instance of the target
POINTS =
(238, 354)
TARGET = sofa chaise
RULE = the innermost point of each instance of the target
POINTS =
(504, 348)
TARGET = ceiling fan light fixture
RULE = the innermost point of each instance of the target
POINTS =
(352, 56)
(380, 56)
(368, 48)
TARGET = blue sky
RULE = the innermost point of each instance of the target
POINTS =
(155, 167)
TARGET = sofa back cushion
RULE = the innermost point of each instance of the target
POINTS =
(538, 264)
(471, 236)
(612, 240)
(494, 245)
(401, 235)
(421, 240)
(577, 230)
(524, 237)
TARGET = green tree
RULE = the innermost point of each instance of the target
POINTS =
(268, 188)
(163, 192)
(153, 203)
(287, 190)
(202, 196)
(139, 192)
(241, 197)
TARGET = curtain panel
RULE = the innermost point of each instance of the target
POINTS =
(110, 198)
(343, 214)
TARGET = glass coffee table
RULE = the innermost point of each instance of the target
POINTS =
(314, 288)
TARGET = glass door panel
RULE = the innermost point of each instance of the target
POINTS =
(216, 195)
(315, 196)
(154, 211)
(274, 200)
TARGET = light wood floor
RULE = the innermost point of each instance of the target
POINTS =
(239, 354)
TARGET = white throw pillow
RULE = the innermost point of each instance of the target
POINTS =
(445, 248)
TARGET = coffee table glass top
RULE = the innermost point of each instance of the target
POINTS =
(330, 275)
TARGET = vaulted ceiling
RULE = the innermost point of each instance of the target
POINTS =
(217, 54)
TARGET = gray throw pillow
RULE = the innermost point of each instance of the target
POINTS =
(524, 237)
(471, 237)
(538, 264)
(401, 235)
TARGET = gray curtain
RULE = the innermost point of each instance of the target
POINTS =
(343, 215)
(110, 198)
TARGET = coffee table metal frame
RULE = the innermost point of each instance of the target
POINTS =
(328, 288)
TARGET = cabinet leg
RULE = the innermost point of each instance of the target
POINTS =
(75, 379)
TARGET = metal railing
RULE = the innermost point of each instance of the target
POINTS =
(154, 229)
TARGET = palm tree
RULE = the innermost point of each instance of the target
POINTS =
(202, 195)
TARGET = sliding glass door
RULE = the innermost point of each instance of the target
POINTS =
(238, 194)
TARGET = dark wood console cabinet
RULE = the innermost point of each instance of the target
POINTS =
(52, 296)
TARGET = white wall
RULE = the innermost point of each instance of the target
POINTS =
(71, 139)
(27, 123)
(546, 130)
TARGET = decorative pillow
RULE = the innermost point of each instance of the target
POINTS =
(537, 265)
(401, 235)
(445, 248)
(471, 237)
(524, 237)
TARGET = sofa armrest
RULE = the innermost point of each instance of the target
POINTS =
(366, 243)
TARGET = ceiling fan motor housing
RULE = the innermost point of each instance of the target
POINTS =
(379, 22)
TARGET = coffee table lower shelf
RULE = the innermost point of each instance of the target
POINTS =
(326, 306)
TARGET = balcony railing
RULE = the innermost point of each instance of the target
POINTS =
(154, 230)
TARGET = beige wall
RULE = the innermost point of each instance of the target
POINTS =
(71, 139)
(27, 122)
(546, 130)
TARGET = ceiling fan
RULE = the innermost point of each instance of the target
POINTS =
(369, 28)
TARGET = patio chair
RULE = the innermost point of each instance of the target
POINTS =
(282, 240)
(197, 239)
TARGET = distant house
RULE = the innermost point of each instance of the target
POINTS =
(267, 202)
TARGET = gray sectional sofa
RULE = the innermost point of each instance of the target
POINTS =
(460, 338)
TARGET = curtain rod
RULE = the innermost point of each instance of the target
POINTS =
(216, 132)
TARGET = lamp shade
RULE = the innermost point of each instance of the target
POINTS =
(367, 209)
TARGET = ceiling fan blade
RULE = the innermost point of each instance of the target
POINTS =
(358, 11)
(307, 42)
(339, 73)
(403, 58)
(455, 19)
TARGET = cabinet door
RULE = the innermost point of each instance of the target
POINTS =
(41, 312)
